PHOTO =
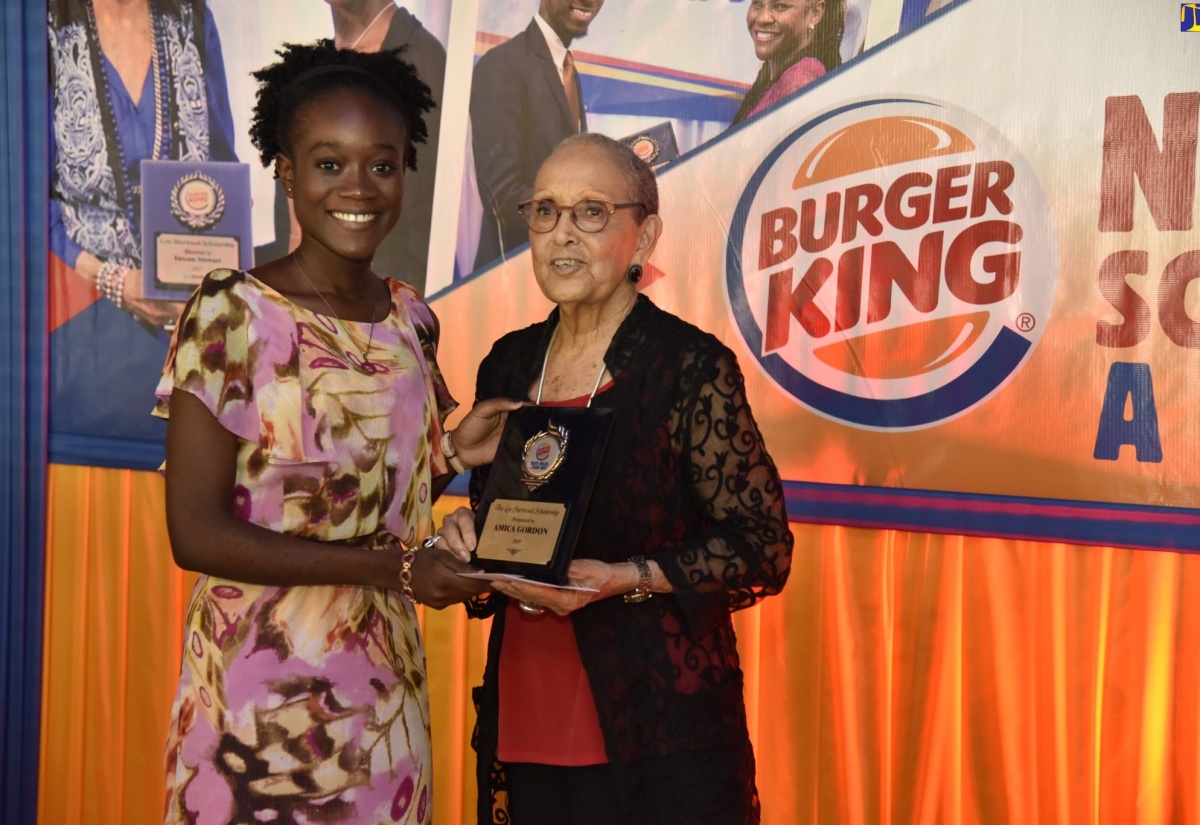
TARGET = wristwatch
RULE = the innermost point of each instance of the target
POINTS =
(642, 592)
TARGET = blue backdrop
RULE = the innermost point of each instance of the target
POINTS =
(24, 192)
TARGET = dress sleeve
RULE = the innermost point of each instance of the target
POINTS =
(60, 242)
(212, 356)
(744, 553)
(428, 334)
(795, 78)
(481, 607)
(429, 331)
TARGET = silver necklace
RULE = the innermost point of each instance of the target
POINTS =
(366, 354)
(546, 360)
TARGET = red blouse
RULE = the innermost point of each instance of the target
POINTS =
(547, 712)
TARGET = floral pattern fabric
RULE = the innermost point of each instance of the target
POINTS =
(308, 704)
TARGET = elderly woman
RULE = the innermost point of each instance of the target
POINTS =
(624, 703)
(798, 41)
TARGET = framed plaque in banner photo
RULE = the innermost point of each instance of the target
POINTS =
(537, 492)
(656, 146)
(195, 218)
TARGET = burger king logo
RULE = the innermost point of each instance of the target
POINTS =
(892, 263)
(197, 201)
(645, 147)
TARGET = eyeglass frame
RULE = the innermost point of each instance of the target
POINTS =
(610, 209)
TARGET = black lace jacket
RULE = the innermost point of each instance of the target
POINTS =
(688, 483)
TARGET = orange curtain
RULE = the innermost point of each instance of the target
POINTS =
(900, 678)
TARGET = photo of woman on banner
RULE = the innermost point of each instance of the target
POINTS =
(624, 703)
(798, 41)
(305, 449)
(131, 80)
(373, 26)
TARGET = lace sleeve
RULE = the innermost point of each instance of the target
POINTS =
(745, 553)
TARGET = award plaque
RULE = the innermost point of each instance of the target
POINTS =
(537, 491)
(195, 218)
(656, 145)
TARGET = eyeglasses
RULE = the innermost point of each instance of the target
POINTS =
(542, 215)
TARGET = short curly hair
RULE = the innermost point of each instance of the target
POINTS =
(639, 177)
(308, 71)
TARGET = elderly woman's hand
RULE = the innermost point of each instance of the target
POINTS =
(458, 533)
(607, 579)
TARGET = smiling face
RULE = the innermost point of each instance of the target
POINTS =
(780, 28)
(345, 173)
(577, 268)
(570, 18)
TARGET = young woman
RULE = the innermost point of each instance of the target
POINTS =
(304, 450)
(797, 41)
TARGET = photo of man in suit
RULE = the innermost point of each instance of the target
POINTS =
(525, 99)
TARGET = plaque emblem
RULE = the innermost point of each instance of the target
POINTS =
(543, 455)
(197, 201)
(646, 148)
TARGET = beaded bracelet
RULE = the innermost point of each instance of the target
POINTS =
(110, 280)
(456, 463)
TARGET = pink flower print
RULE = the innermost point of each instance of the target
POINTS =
(242, 502)
(213, 355)
(403, 798)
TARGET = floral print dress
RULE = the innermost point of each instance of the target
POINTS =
(308, 704)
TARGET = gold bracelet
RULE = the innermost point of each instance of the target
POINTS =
(406, 563)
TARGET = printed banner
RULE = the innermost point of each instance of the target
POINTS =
(110, 320)
(962, 296)
(952, 249)
(665, 76)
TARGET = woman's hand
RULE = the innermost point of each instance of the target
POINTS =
(476, 436)
(154, 312)
(435, 579)
(608, 579)
(133, 300)
(458, 533)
